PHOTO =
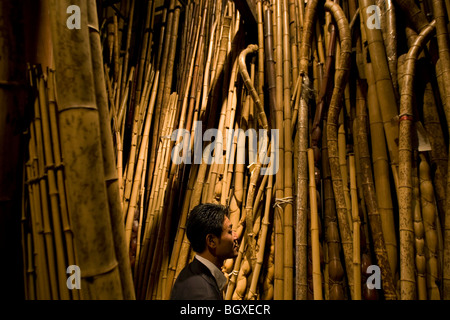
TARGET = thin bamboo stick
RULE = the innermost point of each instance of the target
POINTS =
(444, 55)
(317, 275)
(287, 140)
(356, 230)
(52, 191)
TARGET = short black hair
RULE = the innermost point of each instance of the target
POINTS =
(204, 219)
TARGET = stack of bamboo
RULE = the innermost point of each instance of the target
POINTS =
(362, 153)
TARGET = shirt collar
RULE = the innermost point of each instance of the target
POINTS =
(216, 272)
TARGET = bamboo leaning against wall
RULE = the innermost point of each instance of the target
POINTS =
(330, 153)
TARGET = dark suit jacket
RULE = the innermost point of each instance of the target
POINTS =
(195, 282)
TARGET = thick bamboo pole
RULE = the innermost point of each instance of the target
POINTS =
(380, 162)
(387, 101)
(111, 179)
(82, 153)
(407, 281)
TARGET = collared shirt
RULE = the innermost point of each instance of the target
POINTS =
(216, 272)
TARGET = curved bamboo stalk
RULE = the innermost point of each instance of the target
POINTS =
(333, 115)
(413, 13)
(407, 281)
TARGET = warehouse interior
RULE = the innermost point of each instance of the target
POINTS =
(322, 125)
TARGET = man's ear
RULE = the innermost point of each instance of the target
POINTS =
(211, 240)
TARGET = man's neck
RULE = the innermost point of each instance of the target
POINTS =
(210, 257)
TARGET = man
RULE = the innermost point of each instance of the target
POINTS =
(211, 236)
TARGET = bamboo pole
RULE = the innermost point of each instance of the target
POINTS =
(111, 179)
(275, 106)
(333, 114)
(406, 228)
(335, 268)
(380, 162)
(302, 200)
(287, 140)
(52, 190)
(444, 55)
(356, 229)
(383, 82)
(43, 186)
(317, 275)
(372, 206)
(82, 153)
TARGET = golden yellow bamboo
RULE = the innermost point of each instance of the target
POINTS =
(317, 275)
(356, 229)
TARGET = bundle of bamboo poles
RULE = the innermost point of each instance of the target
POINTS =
(360, 147)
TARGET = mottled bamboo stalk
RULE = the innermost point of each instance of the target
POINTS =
(407, 284)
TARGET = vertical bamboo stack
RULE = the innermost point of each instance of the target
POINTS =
(359, 147)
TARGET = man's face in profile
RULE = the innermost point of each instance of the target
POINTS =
(228, 246)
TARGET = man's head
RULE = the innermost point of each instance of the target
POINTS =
(209, 230)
